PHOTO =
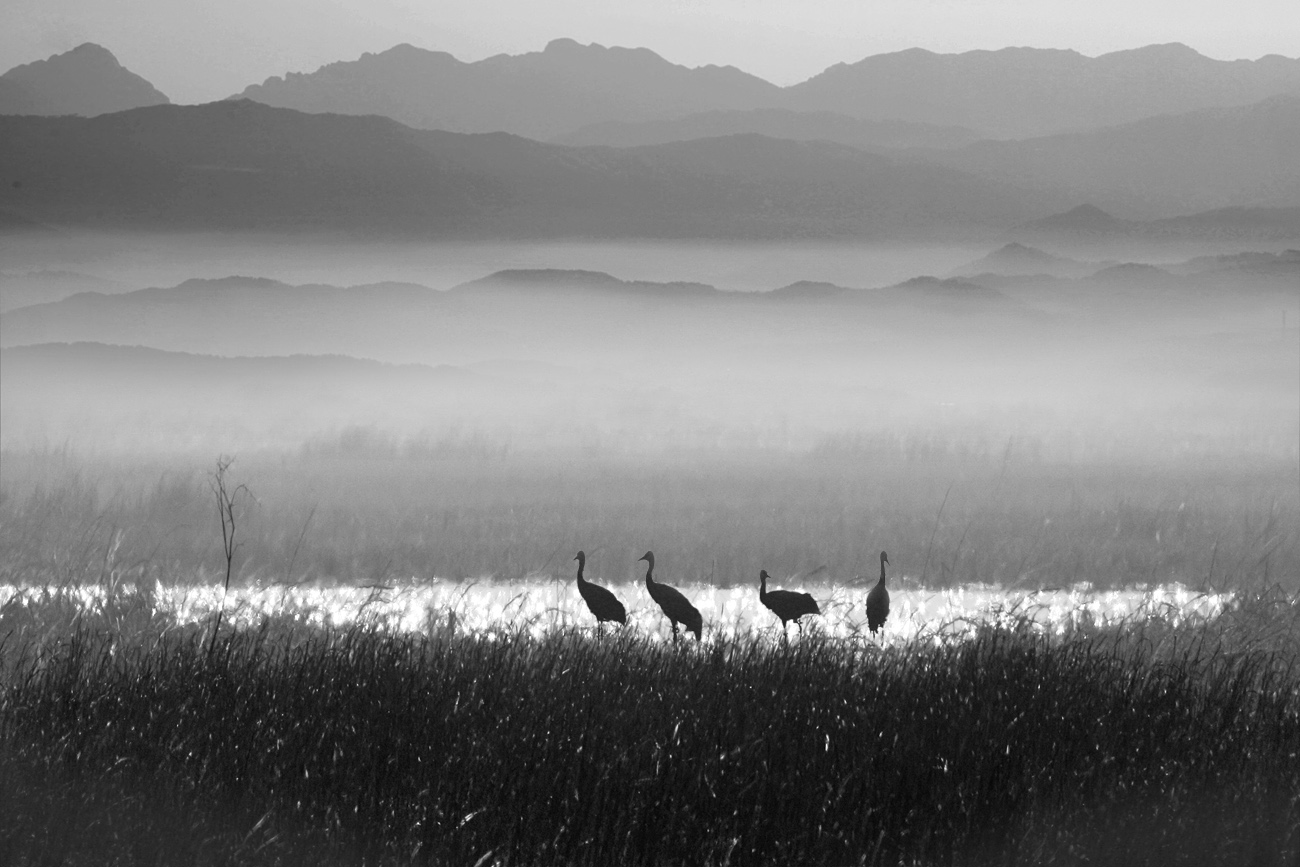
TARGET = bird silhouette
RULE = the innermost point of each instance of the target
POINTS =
(673, 603)
(603, 604)
(878, 599)
(785, 604)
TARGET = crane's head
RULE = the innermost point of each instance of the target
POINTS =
(582, 557)
(884, 558)
(762, 575)
(649, 557)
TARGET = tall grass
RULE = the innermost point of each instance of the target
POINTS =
(294, 745)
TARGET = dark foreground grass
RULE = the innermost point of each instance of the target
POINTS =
(291, 746)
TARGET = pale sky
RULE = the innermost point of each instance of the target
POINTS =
(197, 51)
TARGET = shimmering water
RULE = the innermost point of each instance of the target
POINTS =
(542, 604)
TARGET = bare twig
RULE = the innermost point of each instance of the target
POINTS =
(227, 499)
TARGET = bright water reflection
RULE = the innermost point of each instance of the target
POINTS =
(542, 604)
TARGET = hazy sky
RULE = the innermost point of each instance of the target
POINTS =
(197, 50)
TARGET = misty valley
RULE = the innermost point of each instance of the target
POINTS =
(420, 461)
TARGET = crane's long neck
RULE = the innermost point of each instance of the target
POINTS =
(762, 585)
(881, 582)
(580, 565)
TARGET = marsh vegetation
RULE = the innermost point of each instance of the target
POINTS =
(1167, 735)
(1087, 486)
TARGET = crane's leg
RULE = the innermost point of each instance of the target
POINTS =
(674, 624)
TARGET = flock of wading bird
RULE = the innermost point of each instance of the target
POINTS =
(786, 604)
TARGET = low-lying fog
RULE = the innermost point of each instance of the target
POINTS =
(1077, 352)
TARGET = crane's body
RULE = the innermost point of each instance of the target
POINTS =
(676, 607)
(602, 603)
(786, 604)
(878, 600)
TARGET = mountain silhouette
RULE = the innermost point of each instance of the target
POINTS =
(540, 94)
(1027, 92)
(87, 81)
(1160, 166)
(1083, 220)
(567, 87)
(244, 165)
(1017, 259)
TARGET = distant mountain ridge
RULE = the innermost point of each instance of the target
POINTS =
(539, 94)
(244, 165)
(1027, 92)
(554, 93)
(1195, 161)
(1016, 259)
(87, 81)
(205, 315)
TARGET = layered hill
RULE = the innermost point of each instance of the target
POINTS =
(88, 80)
(1027, 92)
(243, 165)
(540, 94)
(1160, 166)
(404, 322)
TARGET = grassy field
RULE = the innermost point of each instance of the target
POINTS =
(124, 741)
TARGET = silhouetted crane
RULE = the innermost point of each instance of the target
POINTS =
(673, 603)
(878, 599)
(603, 604)
(785, 604)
